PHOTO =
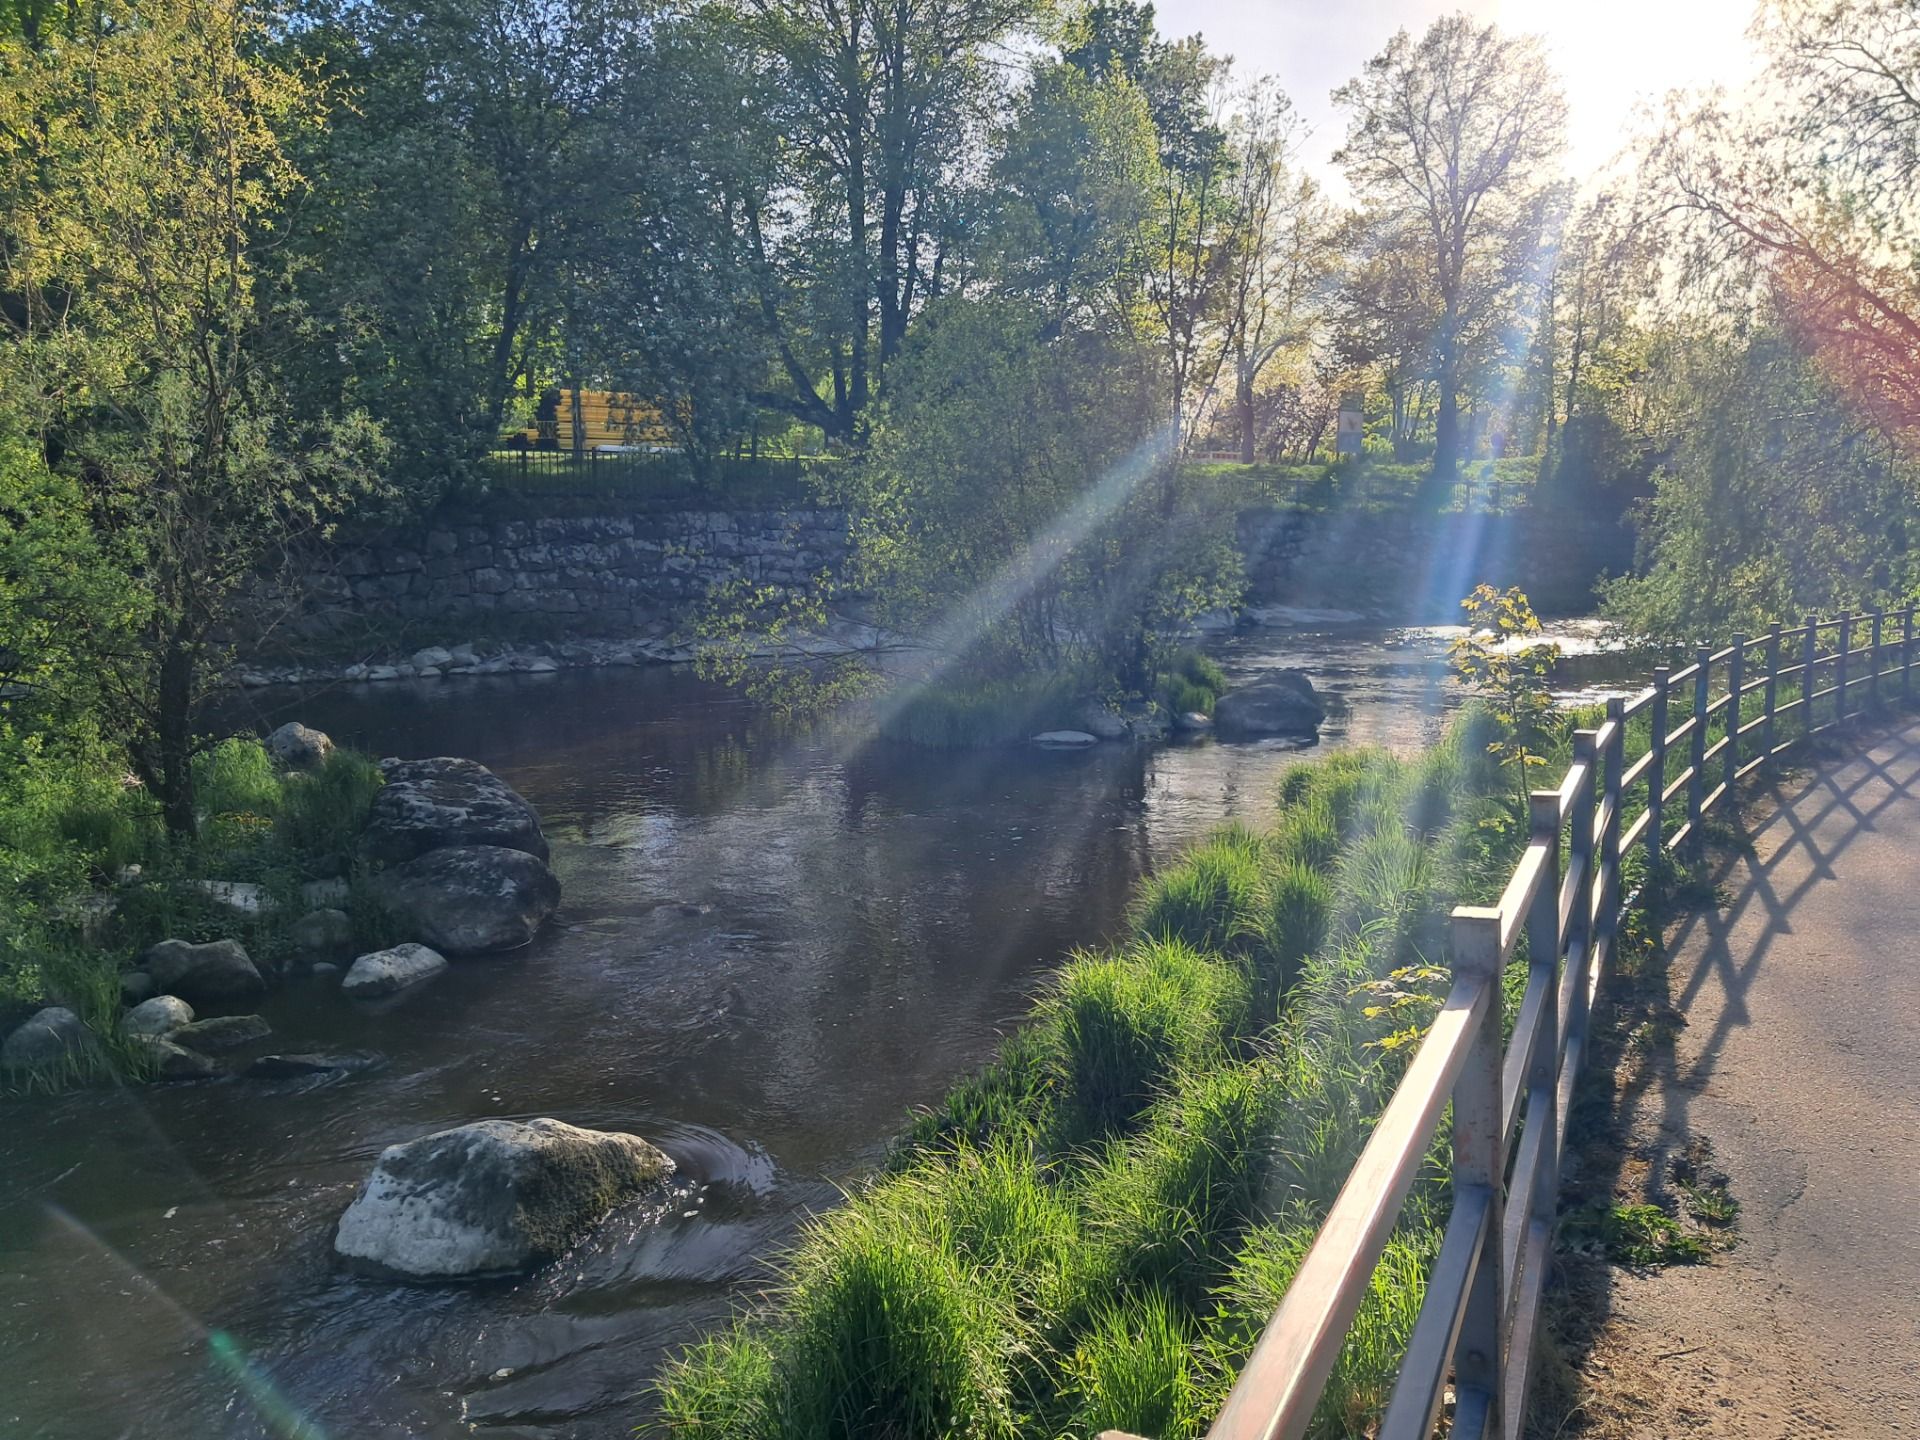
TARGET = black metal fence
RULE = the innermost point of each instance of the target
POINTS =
(645, 474)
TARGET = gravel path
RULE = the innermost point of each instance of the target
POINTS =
(1800, 1065)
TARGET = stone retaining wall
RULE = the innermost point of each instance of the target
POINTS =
(624, 574)
(604, 573)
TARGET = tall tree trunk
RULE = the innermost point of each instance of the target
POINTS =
(1446, 423)
(167, 765)
(1243, 405)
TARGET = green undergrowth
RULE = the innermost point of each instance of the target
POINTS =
(89, 877)
(1091, 1232)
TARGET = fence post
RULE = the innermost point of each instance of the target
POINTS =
(1613, 766)
(1840, 666)
(1657, 772)
(1480, 1160)
(1809, 651)
(1580, 839)
(1697, 747)
(1773, 691)
(1736, 676)
(1906, 654)
(1543, 950)
(1873, 663)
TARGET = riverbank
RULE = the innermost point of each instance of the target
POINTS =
(1081, 1238)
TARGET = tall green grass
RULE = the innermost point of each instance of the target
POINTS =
(1091, 1231)
(74, 824)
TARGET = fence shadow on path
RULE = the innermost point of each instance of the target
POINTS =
(1633, 1119)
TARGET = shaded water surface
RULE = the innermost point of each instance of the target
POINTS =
(769, 947)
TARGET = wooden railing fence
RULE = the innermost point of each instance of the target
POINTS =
(1510, 1098)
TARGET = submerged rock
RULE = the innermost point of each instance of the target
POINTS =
(298, 747)
(223, 1032)
(472, 899)
(158, 1016)
(288, 1067)
(1281, 702)
(47, 1038)
(384, 971)
(495, 1197)
(218, 971)
(166, 1060)
(428, 804)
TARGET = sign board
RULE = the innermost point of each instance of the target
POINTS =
(1350, 430)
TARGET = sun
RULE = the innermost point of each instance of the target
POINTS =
(1620, 56)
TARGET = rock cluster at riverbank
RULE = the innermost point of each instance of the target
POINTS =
(451, 854)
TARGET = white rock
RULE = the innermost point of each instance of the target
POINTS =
(432, 657)
(240, 896)
(384, 971)
(158, 1016)
(1065, 738)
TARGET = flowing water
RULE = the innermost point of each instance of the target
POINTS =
(769, 946)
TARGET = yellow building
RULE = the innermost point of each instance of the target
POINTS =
(608, 419)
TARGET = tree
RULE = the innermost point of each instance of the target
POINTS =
(1009, 508)
(877, 107)
(1075, 180)
(1499, 659)
(1780, 499)
(484, 156)
(1280, 260)
(1451, 145)
(140, 175)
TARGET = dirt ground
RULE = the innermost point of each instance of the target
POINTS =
(1777, 1052)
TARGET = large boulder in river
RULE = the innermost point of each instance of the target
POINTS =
(429, 804)
(471, 899)
(213, 973)
(384, 971)
(298, 747)
(495, 1197)
(49, 1038)
(1281, 702)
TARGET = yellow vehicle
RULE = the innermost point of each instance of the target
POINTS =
(607, 420)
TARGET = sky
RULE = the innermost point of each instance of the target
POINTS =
(1613, 54)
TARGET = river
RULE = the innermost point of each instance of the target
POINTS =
(770, 945)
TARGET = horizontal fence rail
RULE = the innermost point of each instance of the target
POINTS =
(1509, 1101)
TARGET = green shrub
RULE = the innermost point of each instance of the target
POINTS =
(1308, 833)
(1167, 1207)
(958, 715)
(1192, 684)
(1125, 1023)
(323, 811)
(236, 778)
(1134, 1371)
(1302, 899)
(889, 1336)
(1011, 1097)
(1214, 899)
(720, 1388)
